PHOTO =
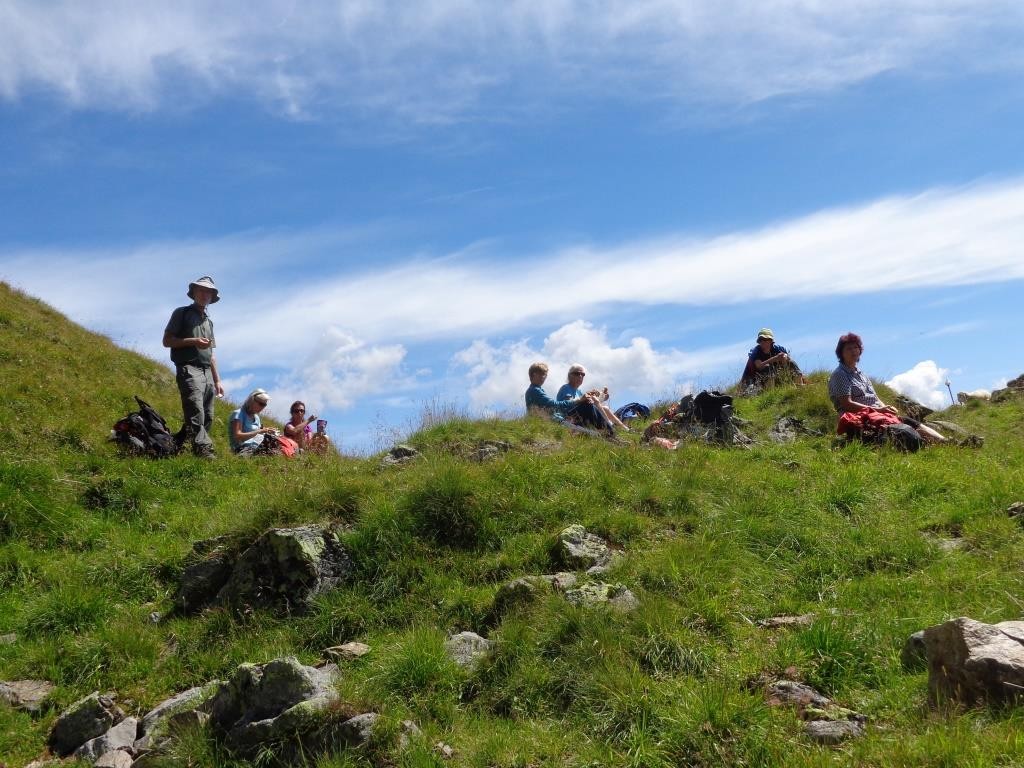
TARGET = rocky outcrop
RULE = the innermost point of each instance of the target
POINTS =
(160, 724)
(526, 589)
(467, 649)
(28, 695)
(971, 663)
(283, 569)
(120, 737)
(788, 428)
(271, 702)
(776, 622)
(914, 656)
(597, 594)
(912, 408)
(86, 719)
(579, 550)
(346, 651)
(400, 454)
(825, 721)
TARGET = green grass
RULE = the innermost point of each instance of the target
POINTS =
(712, 540)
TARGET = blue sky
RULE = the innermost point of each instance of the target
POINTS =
(406, 205)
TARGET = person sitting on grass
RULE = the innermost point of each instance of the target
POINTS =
(583, 412)
(571, 391)
(298, 427)
(769, 364)
(245, 431)
(851, 391)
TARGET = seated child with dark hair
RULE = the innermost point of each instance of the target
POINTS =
(584, 412)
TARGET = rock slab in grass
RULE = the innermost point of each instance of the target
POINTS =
(202, 580)
(27, 695)
(86, 719)
(400, 454)
(1016, 511)
(833, 731)
(120, 737)
(117, 759)
(271, 702)
(777, 622)
(155, 727)
(346, 651)
(467, 649)
(580, 550)
(286, 568)
(971, 662)
(526, 589)
(596, 594)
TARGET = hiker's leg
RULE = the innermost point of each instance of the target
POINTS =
(610, 415)
(190, 382)
(209, 398)
(929, 434)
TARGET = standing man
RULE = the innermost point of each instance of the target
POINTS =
(189, 336)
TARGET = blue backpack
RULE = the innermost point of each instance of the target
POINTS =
(633, 411)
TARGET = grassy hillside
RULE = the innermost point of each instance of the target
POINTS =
(713, 539)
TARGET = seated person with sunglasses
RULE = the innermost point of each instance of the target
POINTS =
(298, 426)
(572, 391)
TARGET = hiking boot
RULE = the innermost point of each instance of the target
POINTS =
(204, 453)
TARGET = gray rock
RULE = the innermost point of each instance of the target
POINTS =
(792, 693)
(346, 651)
(595, 594)
(776, 622)
(410, 732)
(914, 656)
(116, 759)
(490, 449)
(28, 695)
(206, 575)
(1016, 510)
(10, 638)
(444, 750)
(286, 568)
(155, 727)
(359, 729)
(260, 692)
(121, 736)
(400, 454)
(912, 408)
(467, 649)
(580, 550)
(948, 426)
(833, 731)
(86, 719)
(971, 662)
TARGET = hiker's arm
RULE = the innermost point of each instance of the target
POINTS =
(173, 342)
(216, 376)
(846, 404)
(239, 435)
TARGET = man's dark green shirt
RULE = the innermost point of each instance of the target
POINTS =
(191, 322)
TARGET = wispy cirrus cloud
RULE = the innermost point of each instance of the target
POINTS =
(447, 60)
(948, 237)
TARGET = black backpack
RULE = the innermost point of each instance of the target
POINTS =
(902, 437)
(712, 407)
(145, 433)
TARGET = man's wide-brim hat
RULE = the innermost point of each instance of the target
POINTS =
(766, 333)
(204, 282)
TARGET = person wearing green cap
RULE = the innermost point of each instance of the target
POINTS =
(189, 336)
(769, 363)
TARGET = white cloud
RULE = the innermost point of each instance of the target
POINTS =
(449, 59)
(340, 370)
(925, 383)
(955, 237)
(498, 375)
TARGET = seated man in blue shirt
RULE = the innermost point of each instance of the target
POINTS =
(769, 363)
(583, 411)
